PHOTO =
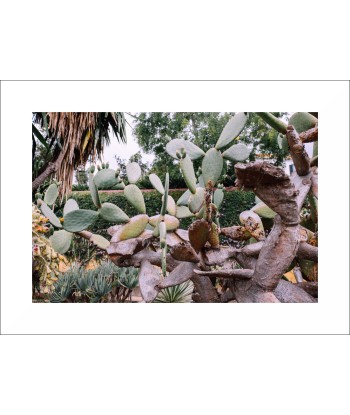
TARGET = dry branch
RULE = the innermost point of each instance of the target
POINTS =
(297, 151)
(310, 135)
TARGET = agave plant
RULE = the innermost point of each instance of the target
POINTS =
(181, 293)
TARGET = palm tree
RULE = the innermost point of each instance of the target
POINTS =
(66, 140)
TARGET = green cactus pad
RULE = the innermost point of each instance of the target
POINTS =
(78, 220)
(156, 183)
(70, 205)
(183, 200)
(119, 186)
(171, 206)
(100, 241)
(113, 213)
(51, 194)
(200, 181)
(237, 152)
(202, 214)
(94, 191)
(282, 142)
(218, 197)
(315, 149)
(171, 222)
(196, 201)
(191, 149)
(302, 121)
(189, 176)
(183, 212)
(212, 165)
(61, 240)
(135, 197)
(132, 229)
(162, 231)
(105, 179)
(263, 211)
(273, 121)
(133, 171)
(232, 129)
(50, 215)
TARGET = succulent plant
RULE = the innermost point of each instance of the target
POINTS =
(232, 129)
(133, 171)
(135, 197)
(113, 213)
(212, 165)
(78, 220)
(51, 194)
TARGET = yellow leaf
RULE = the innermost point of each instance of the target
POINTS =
(290, 276)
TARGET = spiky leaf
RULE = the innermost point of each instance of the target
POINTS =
(132, 229)
(191, 149)
(50, 215)
(133, 171)
(232, 129)
(61, 241)
(106, 179)
(183, 212)
(113, 213)
(100, 241)
(196, 201)
(134, 196)
(218, 197)
(70, 205)
(51, 194)
(187, 170)
(156, 183)
(212, 165)
(78, 220)
(198, 234)
(302, 121)
(237, 152)
(94, 191)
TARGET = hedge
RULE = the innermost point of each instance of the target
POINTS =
(234, 203)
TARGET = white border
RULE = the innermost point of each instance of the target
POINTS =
(19, 315)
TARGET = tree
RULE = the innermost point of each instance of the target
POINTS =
(168, 256)
(153, 131)
(62, 141)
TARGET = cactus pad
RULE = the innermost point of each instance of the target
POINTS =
(132, 229)
(135, 197)
(183, 200)
(302, 121)
(105, 179)
(50, 215)
(212, 165)
(100, 241)
(165, 196)
(70, 205)
(183, 212)
(218, 197)
(61, 241)
(171, 222)
(51, 194)
(252, 223)
(171, 206)
(282, 142)
(113, 213)
(191, 149)
(78, 220)
(156, 183)
(237, 152)
(187, 170)
(94, 191)
(133, 171)
(263, 211)
(198, 234)
(232, 129)
(196, 201)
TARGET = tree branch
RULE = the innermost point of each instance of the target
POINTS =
(227, 273)
(310, 135)
(297, 151)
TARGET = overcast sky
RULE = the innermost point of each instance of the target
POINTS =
(125, 151)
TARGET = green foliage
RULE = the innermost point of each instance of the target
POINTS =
(51, 194)
(181, 293)
(234, 203)
(80, 285)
